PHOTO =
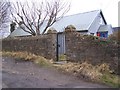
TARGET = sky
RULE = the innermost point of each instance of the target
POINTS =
(108, 7)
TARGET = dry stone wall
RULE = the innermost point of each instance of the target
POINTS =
(81, 48)
(44, 45)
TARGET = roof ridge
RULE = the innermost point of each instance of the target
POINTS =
(82, 13)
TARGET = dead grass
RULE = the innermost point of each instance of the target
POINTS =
(28, 57)
(85, 70)
(99, 73)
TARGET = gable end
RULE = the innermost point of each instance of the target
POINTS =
(103, 17)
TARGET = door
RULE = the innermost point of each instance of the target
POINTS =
(60, 46)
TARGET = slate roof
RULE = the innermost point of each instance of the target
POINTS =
(81, 21)
(19, 32)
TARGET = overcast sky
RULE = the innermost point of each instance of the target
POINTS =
(109, 8)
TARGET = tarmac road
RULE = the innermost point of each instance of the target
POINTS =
(21, 74)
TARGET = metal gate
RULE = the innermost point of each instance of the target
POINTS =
(60, 46)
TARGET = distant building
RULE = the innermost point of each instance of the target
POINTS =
(92, 23)
(19, 32)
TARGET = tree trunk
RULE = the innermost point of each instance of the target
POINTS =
(37, 32)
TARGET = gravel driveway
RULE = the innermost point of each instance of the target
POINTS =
(21, 74)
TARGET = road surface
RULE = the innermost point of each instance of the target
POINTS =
(24, 74)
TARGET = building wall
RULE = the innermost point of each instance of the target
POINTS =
(110, 30)
(96, 24)
(44, 45)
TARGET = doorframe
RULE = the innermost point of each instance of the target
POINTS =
(57, 49)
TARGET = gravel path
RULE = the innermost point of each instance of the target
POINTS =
(21, 74)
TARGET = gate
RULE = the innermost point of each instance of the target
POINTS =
(61, 46)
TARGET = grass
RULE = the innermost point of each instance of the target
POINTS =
(110, 79)
(99, 73)
(62, 57)
(28, 57)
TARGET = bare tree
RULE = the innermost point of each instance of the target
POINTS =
(56, 10)
(32, 16)
(4, 7)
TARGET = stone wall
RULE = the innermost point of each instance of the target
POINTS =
(44, 45)
(91, 49)
(78, 48)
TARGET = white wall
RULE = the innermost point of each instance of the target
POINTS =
(110, 30)
(96, 24)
